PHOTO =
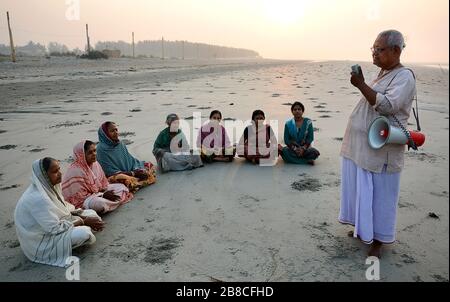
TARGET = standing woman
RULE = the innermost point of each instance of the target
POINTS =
(298, 136)
(47, 226)
(213, 140)
(85, 185)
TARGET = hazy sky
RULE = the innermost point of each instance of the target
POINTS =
(282, 29)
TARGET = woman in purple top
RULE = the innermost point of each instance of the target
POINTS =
(213, 140)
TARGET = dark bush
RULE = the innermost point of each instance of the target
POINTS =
(94, 55)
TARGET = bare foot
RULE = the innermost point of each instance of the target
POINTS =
(375, 249)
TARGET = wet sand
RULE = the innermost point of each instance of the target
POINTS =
(228, 222)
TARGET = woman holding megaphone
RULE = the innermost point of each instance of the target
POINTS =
(370, 182)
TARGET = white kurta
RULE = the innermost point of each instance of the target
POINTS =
(395, 93)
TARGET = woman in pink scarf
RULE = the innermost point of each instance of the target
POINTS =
(85, 185)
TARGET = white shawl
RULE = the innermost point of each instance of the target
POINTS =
(43, 220)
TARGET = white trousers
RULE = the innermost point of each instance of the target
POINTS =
(369, 202)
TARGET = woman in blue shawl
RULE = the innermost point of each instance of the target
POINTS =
(298, 137)
(118, 164)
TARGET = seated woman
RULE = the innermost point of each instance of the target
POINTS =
(171, 148)
(298, 136)
(213, 140)
(85, 185)
(250, 146)
(118, 164)
(47, 226)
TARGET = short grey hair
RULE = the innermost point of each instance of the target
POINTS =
(393, 38)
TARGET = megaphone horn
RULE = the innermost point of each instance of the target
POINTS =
(381, 132)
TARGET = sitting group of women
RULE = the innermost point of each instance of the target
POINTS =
(59, 213)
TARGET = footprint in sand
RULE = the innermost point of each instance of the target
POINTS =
(319, 106)
(430, 158)
(9, 187)
(125, 134)
(203, 108)
(127, 142)
(160, 250)
(443, 194)
(106, 113)
(136, 110)
(275, 95)
(439, 278)
(167, 104)
(70, 124)
(340, 139)
(37, 150)
(12, 244)
(307, 184)
(8, 147)
(325, 116)
(287, 104)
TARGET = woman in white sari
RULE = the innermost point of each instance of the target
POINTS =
(47, 226)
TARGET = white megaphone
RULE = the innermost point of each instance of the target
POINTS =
(381, 132)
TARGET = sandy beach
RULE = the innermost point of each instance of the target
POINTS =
(228, 222)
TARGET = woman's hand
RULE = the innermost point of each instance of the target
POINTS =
(94, 223)
(141, 174)
(300, 151)
(111, 196)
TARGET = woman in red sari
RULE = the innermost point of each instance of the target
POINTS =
(85, 185)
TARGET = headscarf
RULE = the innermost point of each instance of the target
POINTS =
(114, 156)
(44, 220)
(49, 192)
(82, 180)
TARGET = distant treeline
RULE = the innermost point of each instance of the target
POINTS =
(37, 49)
(172, 49)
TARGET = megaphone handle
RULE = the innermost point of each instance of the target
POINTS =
(406, 132)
